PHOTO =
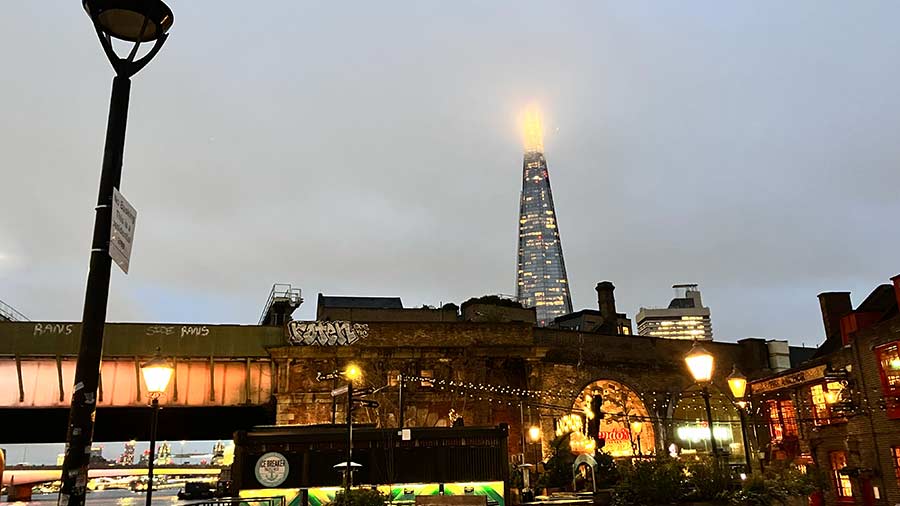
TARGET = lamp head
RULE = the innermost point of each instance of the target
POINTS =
(636, 426)
(352, 372)
(130, 20)
(534, 433)
(700, 363)
(737, 383)
(157, 372)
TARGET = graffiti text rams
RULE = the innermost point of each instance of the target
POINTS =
(194, 331)
(59, 329)
(330, 333)
(182, 331)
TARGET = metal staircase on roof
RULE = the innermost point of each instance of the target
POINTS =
(283, 300)
(10, 314)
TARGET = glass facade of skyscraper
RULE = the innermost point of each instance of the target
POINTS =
(541, 271)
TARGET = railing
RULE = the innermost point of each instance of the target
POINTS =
(241, 501)
(9, 313)
(280, 291)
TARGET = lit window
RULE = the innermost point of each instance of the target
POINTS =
(392, 379)
(821, 411)
(427, 373)
(782, 419)
(895, 456)
(888, 357)
(842, 486)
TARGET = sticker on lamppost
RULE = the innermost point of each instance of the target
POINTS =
(272, 469)
(121, 233)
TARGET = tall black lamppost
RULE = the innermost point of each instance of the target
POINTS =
(157, 372)
(737, 383)
(700, 363)
(136, 21)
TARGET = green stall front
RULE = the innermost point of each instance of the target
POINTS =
(298, 462)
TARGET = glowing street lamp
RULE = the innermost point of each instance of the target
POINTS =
(636, 427)
(700, 363)
(737, 383)
(534, 433)
(157, 372)
(833, 392)
(136, 21)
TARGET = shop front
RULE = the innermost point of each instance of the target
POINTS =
(690, 427)
(298, 463)
(616, 418)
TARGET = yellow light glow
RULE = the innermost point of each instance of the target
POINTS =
(352, 372)
(533, 130)
(737, 383)
(636, 426)
(700, 364)
(157, 377)
(534, 433)
(157, 372)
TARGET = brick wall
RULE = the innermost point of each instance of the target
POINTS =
(506, 354)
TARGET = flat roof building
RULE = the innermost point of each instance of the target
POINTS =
(685, 318)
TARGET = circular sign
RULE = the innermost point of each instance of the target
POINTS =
(272, 469)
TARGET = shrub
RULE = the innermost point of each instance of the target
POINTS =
(650, 482)
(607, 472)
(708, 480)
(558, 468)
(360, 497)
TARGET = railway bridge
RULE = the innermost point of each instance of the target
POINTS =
(223, 380)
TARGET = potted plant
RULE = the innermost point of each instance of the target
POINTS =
(558, 467)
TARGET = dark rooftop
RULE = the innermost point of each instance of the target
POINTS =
(681, 303)
(360, 302)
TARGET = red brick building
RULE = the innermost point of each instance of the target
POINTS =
(841, 410)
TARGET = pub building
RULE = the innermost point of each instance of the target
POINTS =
(840, 411)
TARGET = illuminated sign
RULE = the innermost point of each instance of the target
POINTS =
(271, 469)
(326, 333)
(697, 433)
(793, 379)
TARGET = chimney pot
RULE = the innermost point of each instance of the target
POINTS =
(834, 306)
(606, 303)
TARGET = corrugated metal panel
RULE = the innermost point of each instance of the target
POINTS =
(122, 387)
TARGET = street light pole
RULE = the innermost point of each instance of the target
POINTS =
(737, 383)
(700, 363)
(743, 415)
(156, 372)
(154, 421)
(112, 19)
(709, 420)
(348, 481)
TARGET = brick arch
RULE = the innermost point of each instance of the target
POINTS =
(623, 405)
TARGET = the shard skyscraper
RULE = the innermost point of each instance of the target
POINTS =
(541, 277)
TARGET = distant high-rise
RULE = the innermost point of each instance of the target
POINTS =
(685, 318)
(541, 280)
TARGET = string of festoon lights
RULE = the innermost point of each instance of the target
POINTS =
(656, 402)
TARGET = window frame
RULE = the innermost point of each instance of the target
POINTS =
(782, 419)
(895, 457)
(843, 487)
(817, 408)
(891, 392)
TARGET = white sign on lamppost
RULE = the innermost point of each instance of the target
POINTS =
(121, 233)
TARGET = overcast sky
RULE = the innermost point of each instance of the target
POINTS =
(373, 149)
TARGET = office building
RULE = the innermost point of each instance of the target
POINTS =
(541, 280)
(685, 318)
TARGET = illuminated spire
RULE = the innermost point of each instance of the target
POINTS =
(533, 130)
